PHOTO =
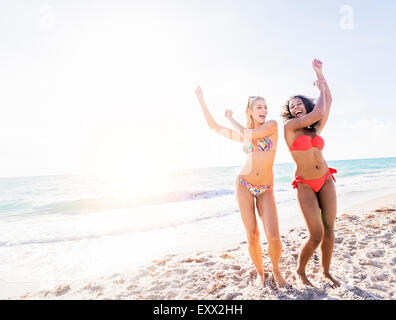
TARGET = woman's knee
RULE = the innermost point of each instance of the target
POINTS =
(273, 238)
(316, 236)
(253, 235)
(329, 233)
(275, 244)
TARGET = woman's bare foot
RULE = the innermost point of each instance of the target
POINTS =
(303, 277)
(330, 280)
(280, 281)
(259, 281)
(264, 278)
(252, 276)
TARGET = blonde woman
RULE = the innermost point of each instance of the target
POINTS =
(254, 183)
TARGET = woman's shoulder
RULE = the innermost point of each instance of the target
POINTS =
(270, 124)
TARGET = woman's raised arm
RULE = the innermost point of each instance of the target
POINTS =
(317, 65)
(223, 131)
(314, 116)
(266, 129)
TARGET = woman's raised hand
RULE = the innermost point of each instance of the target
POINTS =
(228, 114)
(199, 93)
(317, 65)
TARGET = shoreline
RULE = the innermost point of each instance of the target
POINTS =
(364, 260)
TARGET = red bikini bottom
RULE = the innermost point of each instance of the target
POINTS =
(316, 184)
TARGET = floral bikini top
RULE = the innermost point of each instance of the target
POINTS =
(263, 144)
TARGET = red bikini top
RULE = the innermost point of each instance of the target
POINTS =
(304, 143)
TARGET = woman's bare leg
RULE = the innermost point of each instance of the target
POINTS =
(312, 214)
(266, 208)
(246, 207)
(328, 202)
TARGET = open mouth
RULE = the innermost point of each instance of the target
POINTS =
(298, 113)
(262, 116)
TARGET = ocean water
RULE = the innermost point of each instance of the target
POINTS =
(60, 228)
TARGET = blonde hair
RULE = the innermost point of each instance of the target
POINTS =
(251, 103)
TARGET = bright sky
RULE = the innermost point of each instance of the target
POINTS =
(108, 86)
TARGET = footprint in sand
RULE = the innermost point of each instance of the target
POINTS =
(160, 287)
(61, 290)
(153, 297)
(180, 271)
(380, 277)
(338, 240)
(351, 243)
(377, 286)
(93, 287)
(375, 254)
(171, 294)
(232, 295)
(197, 260)
(216, 287)
(388, 235)
(371, 263)
(120, 281)
(219, 275)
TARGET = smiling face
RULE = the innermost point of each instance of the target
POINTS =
(258, 111)
(297, 108)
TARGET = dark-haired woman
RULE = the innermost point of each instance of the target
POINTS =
(304, 121)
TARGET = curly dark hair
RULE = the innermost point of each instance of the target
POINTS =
(309, 105)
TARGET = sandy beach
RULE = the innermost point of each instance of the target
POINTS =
(364, 261)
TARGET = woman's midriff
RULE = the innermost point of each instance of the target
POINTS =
(310, 164)
(258, 168)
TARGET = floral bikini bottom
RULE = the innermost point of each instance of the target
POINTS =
(253, 189)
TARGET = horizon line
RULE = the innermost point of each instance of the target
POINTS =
(169, 171)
